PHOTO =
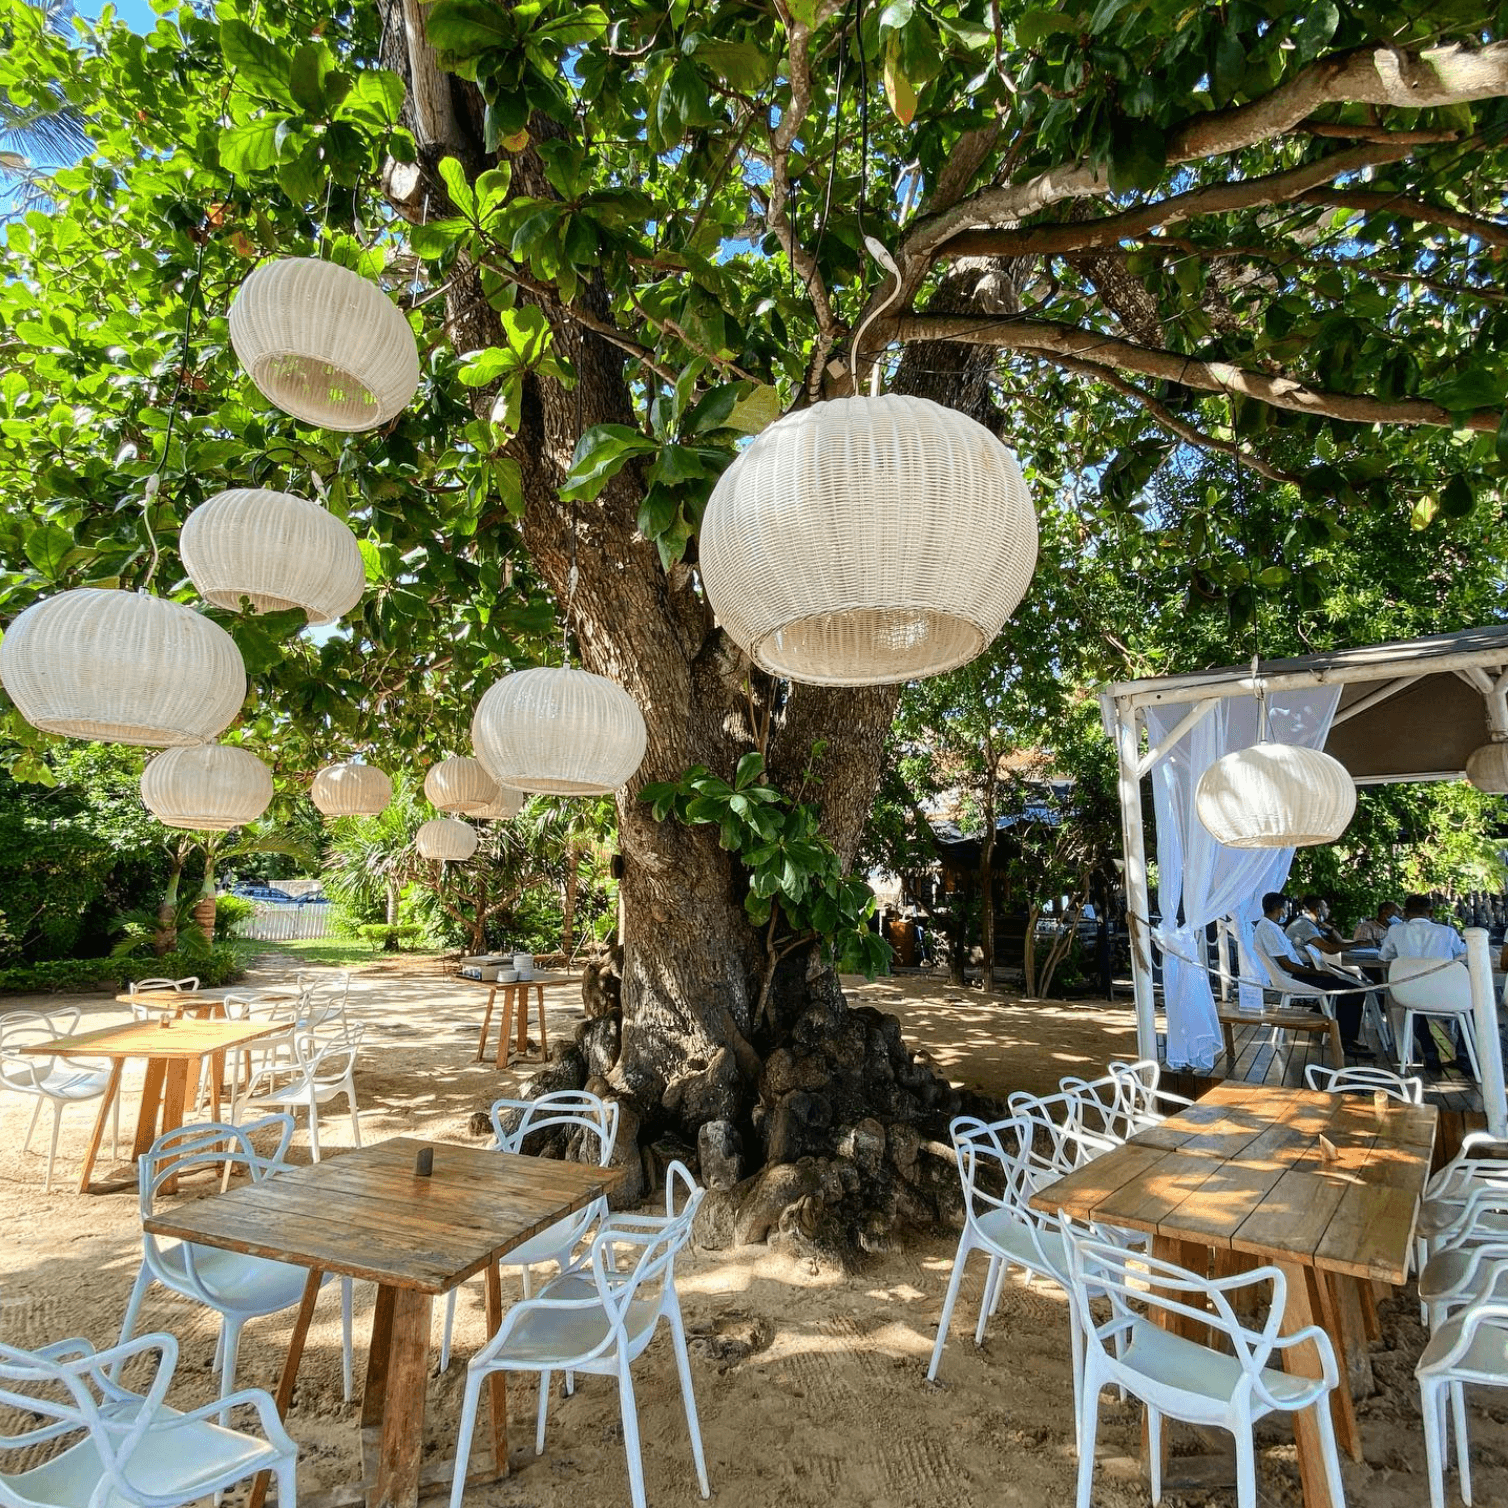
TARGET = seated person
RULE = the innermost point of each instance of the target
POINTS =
(1421, 936)
(1311, 928)
(1370, 933)
(1275, 945)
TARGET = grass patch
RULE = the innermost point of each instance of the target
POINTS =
(336, 952)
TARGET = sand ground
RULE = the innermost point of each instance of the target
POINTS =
(809, 1380)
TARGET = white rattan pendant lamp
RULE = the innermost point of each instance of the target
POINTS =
(460, 785)
(868, 540)
(324, 343)
(445, 838)
(1275, 795)
(507, 806)
(1487, 767)
(206, 786)
(351, 790)
(276, 550)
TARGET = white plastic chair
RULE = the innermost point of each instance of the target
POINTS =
(1470, 1347)
(564, 1111)
(1460, 1253)
(238, 1287)
(1432, 987)
(59, 1081)
(1364, 1081)
(187, 985)
(1226, 1389)
(134, 1448)
(599, 1316)
(1449, 1189)
(1289, 989)
(1144, 1095)
(322, 1067)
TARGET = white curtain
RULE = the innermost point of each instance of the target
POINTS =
(1199, 880)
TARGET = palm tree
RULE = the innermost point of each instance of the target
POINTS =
(46, 131)
(571, 832)
(368, 860)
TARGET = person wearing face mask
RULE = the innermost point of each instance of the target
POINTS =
(1294, 961)
(1311, 929)
(1371, 932)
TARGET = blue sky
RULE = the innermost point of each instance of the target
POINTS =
(137, 14)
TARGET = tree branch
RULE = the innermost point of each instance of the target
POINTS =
(1403, 207)
(1170, 421)
(1052, 340)
(1215, 199)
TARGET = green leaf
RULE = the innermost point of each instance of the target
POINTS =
(257, 63)
(47, 547)
(1230, 66)
(601, 453)
(1313, 33)
(306, 77)
(458, 186)
(756, 410)
(750, 768)
(465, 28)
(251, 148)
(1476, 387)
(899, 94)
(1138, 155)
(376, 96)
(1502, 437)
(433, 240)
(1036, 25)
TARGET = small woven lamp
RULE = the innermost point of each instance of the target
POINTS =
(351, 790)
(206, 786)
(1487, 768)
(559, 731)
(864, 541)
(460, 784)
(275, 549)
(324, 344)
(507, 806)
(1275, 796)
(122, 667)
(445, 838)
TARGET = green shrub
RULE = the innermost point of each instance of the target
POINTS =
(217, 966)
(230, 912)
(380, 935)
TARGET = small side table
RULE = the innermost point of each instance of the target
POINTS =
(516, 1008)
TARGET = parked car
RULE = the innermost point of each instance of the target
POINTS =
(314, 898)
(256, 890)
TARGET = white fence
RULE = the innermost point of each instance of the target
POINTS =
(276, 921)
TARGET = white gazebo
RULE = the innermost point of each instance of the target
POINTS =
(1413, 710)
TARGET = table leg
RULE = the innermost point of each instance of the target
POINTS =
(1164, 1249)
(1337, 1051)
(151, 1102)
(216, 1074)
(544, 1044)
(375, 1387)
(1350, 1315)
(112, 1088)
(402, 1442)
(175, 1092)
(1371, 1295)
(1230, 1043)
(283, 1398)
(523, 1018)
(510, 992)
(497, 1383)
(481, 1046)
(1304, 1308)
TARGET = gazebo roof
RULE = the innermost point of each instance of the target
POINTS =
(1410, 710)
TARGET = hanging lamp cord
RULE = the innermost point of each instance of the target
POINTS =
(1243, 485)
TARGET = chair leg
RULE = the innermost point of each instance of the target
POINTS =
(1154, 1452)
(991, 1279)
(313, 1130)
(287, 1479)
(683, 1365)
(1246, 1459)
(475, 1376)
(346, 1286)
(1434, 1440)
(133, 1308)
(1326, 1425)
(544, 1408)
(35, 1114)
(52, 1151)
(232, 1348)
(1089, 1423)
(951, 1298)
(1469, 1041)
(1406, 1043)
(1463, 1447)
(115, 1126)
(450, 1319)
(355, 1123)
(629, 1407)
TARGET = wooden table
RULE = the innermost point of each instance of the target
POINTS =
(179, 1002)
(516, 1003)
(365, 1214)
(174, 1054)
(1288, 1020)
(1241, 1175)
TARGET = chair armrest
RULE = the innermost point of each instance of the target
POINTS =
(257, 1398)
(1330, 1371)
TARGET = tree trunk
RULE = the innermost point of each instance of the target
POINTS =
(568, 893)
(987, 903)
(817, 1080)
(391, 885)
(204, 917)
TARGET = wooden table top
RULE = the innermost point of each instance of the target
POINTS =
(366, 1214)
(148, 1039)
(1243, 1168)
(541, 979)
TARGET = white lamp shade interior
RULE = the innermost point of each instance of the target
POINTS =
(1275, 796)
(211, 786)
(445, 838)
(460, 784)
(324, 344)
(351, 790)
(868, 541)
(1487, 768)
(277, 550)
(122, 667)
(559, 731)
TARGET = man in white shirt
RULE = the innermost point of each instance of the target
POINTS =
(1275, 944)
(1422, 937)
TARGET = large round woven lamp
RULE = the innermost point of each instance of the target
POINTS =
(324, 344)
(277, 550)
(1275, 796)
(460, 784)
(559, 731)
(1487, 768)
(445, 838)
(122, 667)
(213, 786)
(863, 541)
(507, 806)
(351, 790)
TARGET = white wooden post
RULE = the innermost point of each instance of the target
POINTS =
(1138, 903)
(1489, 1045)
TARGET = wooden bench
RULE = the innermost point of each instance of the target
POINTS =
(1289, 1020)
